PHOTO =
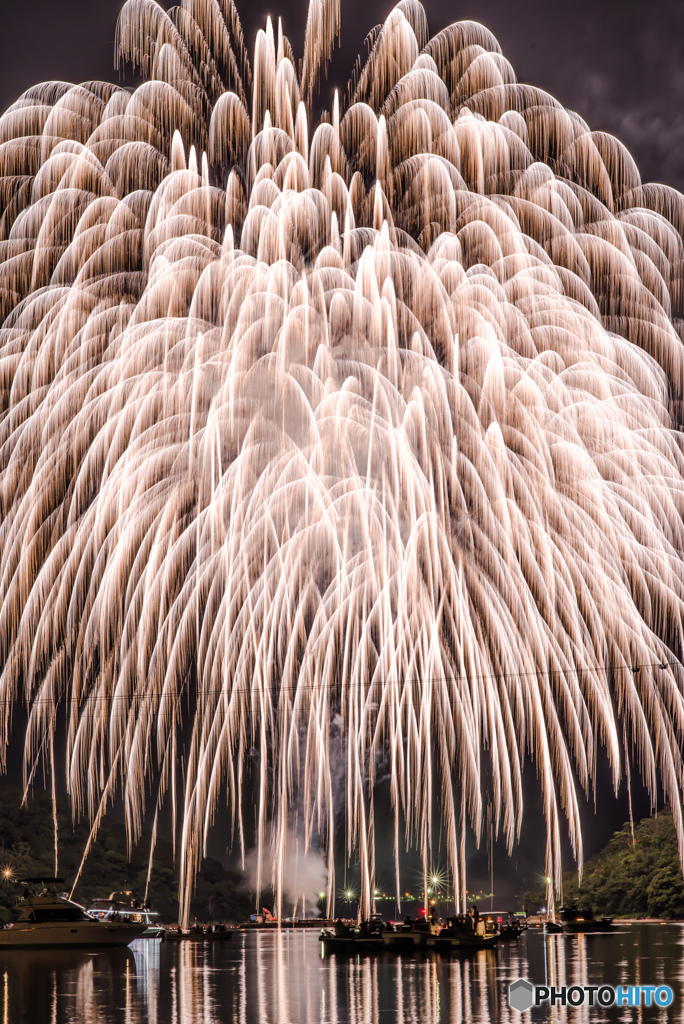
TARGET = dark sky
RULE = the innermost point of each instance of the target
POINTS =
(619, 64)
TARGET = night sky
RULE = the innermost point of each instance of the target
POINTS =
(619, 64)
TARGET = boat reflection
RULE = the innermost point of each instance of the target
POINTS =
(41, 985)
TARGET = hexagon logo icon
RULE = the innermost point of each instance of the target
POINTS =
(521, 995)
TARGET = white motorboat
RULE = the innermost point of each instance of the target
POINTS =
(120, 906)
(47, 917)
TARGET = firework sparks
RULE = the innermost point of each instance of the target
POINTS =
(373, 420)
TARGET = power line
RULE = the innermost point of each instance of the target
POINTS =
(296, 688)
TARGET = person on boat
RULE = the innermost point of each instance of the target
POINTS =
(478, 922)
(341, 929)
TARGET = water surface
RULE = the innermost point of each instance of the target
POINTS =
(282, 978)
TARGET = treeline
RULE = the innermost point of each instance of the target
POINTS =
(630, 877)
(27, 849)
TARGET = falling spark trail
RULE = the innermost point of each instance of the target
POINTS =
(374, 421)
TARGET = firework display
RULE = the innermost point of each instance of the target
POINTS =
(333, 443)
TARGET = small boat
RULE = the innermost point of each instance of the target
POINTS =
(407, 935)
(351, 944)
(510, 931)
(575, 921)
(553, 928)
(352, 939)
(198, 933)
(120, 906)
(47, 917)
(536, 922)
(445, 942)
(219, 933)
(510, 925)
(461, 933)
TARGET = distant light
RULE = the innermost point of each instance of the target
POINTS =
(7, 872)
(435, 880)
(349, 895)
(321, 895)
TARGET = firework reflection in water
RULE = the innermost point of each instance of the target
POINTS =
(369, 421)
(280, 976)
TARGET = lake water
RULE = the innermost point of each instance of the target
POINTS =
(282, 978)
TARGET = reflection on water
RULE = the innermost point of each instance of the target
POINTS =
(282, 978)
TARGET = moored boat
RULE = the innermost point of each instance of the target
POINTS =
(510, 925)
(466, 933)
(407, 935)
(47, 917)
(351, 944)
(198, 933)
(352, 939)
(120, 906)
(553, 928)
(575, 920)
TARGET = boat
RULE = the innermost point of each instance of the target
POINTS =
(574, 921)
(510, 925)
(219, 933)
(352, 939)
(407, 935)
(47, 917)
(198, 933)
(510, 930)
(351, 944)
(120, 906)
(553, 928)
(461, 933)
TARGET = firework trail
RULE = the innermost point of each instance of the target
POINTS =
(374, 420)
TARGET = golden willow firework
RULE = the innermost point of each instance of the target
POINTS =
(371, 422)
